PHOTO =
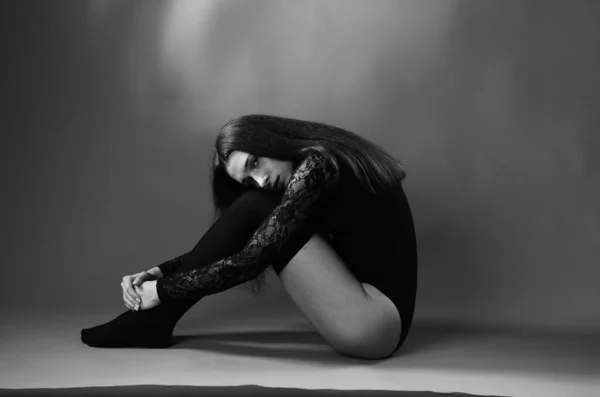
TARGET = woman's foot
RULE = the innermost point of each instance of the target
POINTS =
(152, 328)
(130, 329)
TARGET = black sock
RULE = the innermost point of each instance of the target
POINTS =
(147, 328)
(228, 235)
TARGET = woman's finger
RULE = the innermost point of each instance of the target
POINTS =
(130, 290)
(139, 279)
(127, 297)
(128, 302)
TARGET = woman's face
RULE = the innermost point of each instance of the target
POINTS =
(264, 172)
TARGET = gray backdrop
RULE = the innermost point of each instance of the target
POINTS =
(111, 107)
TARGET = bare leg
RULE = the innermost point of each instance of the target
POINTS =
(355, 318)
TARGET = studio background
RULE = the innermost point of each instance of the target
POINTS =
(110, 110)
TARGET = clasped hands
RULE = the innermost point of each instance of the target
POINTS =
(139, 291)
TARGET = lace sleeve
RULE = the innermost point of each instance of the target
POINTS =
(293, 222)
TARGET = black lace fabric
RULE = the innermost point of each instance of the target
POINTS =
(291, 221)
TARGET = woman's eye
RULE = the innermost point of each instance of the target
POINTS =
(255, 161)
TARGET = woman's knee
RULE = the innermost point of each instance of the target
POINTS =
(255, 205)
(258, 201)
(370, 342)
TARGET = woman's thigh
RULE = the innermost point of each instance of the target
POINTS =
(355, 319)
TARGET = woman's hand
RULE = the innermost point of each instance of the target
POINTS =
(130, 296)
(148, 295)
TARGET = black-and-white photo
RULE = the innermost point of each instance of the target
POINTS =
(300, 197)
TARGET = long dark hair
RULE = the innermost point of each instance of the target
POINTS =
(290, 139)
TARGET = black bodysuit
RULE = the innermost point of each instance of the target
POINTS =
(373, 234)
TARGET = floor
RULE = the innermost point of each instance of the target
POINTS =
(278, 348)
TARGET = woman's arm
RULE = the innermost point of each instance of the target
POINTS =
(277, 240)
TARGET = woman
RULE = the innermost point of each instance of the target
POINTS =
(323, 207)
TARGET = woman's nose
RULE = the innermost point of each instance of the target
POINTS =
(261, 181)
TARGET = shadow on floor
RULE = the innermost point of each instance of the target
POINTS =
(427, 346)
(298, 345)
